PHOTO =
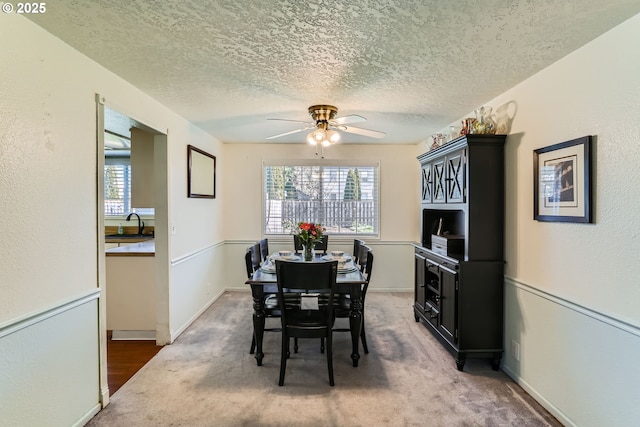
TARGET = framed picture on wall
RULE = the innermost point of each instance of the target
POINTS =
(562, 182)
(201, 174)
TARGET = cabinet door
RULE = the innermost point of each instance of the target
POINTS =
(439, 189)
(420, 265)
(142, 175)
(427, 183)
(448, 303)
(455, 177)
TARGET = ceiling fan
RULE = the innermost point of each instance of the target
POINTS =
(326, 126)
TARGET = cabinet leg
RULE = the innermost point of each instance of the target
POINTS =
(460, 360)
(495, 362)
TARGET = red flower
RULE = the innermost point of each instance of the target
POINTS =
(309, 232)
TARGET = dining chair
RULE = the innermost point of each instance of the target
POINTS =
(342, 303)
(355, 255)
(264, 249)
(304, 277)
(322, 245)
(253, 261)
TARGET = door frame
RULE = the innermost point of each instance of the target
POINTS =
(161, 229)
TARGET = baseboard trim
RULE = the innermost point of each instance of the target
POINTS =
(119, 335)
(104, 395)
(87, 417)
(538, 397)
(175, 334)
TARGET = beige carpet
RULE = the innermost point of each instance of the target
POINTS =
(208, 378)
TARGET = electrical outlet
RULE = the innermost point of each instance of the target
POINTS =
(515, 350)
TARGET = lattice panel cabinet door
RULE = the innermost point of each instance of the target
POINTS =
(439, 193)
(455, 177)
(427, 184)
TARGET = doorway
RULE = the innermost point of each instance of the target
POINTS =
(114, 128)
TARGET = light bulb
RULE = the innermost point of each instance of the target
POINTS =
(310, 139)
(318, 135)
(333, 136)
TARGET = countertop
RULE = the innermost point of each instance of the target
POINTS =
(147, 248)
(137, 239)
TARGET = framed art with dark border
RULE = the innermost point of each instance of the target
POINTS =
(201, 173)
(562, 182)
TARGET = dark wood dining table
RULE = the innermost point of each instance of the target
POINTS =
(265, 282)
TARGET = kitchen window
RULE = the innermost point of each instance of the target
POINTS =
(341, 197)
(117, 185)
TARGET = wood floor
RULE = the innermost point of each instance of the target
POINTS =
(125, 358)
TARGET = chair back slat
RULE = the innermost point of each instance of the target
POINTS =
(322, 245)
(252, 259)
(306, 276)
(362, 257)
(357, 243)
(264, 249)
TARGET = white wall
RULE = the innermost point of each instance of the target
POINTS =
(573, 290)
(399, 206)
(48, 156)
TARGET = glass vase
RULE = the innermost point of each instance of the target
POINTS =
(307, 251)
(484, 125)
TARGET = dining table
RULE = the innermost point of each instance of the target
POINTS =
(349, 281)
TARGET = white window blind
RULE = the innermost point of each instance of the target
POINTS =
(117, 188)
(342, 198)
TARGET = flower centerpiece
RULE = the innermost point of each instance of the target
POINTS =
(309, 234)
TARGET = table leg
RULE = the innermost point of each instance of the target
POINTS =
(259, 316)
(355, 324)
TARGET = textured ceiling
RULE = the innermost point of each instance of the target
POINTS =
(409, 67)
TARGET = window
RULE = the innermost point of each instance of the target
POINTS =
(117, 183)
(117, 186)
(343, 198)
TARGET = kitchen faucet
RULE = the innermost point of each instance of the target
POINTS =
(140, 223)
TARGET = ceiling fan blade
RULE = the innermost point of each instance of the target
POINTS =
(291, 132)
(363, 132)
(353, 118)
(294, 121)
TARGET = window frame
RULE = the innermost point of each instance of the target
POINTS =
(324, 163)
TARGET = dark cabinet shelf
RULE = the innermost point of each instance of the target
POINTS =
(459, 289)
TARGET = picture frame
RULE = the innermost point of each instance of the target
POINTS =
(562, 182)
(201, 174)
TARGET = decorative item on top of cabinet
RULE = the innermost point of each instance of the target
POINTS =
(467, 126)
(459, 263)
(484, 124)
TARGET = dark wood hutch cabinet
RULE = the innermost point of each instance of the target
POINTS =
(459, 263)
